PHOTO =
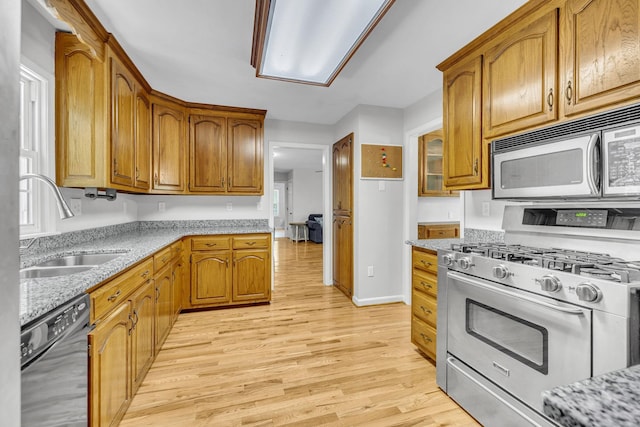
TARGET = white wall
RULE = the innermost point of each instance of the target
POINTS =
(377, 216)
(307, 194)
(437, 209)
(473, 215)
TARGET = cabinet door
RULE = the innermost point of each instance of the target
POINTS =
(519, 81)
(210, 278)
(81, 115)
(179, 271)
(343, 255)
(142, 335)
(251, 275)
(208, 153)
(601, 54)
(164, 304)
(168, 149)
(343, 175)
(143, 141)
(245, 158)
(463, 150)
(430, 166)
(123, 99)
(109, 366)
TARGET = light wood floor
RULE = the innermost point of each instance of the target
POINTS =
(310, 358)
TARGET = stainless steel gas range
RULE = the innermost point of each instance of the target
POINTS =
(556, 303)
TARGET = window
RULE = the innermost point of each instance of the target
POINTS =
(34, 134)
(276, 202)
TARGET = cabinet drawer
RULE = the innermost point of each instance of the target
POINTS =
(112, 293)
(424, 336)
(210, 243)
(425, 282)
(251, 242)
(425, 261)
(176, 249)
(162, 257)
(441, 233)
(424, 307)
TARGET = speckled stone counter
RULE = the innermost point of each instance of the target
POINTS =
(471, 235)
(611, 399)
(136, 241)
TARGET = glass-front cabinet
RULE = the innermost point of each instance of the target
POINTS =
(430, 166)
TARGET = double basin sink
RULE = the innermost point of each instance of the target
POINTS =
(68, 264)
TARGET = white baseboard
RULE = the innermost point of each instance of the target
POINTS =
(379, 300)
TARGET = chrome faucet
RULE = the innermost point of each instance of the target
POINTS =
(63, 208)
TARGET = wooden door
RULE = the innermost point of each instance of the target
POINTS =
(245, 158)
(343, 254)
(463, 167)
(142, 334)
(208, 153)
(143, 141)
(123, 104)
(81, 91)
(601, 54)
(519, 78)
(109, 367)
(343, 175)
(164, 304)
(168, 149)
(211, 278)
(251, 275)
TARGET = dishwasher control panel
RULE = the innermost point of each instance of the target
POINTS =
(45, 331)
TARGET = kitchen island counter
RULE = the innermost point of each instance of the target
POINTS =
(611, 399)
(137, 241)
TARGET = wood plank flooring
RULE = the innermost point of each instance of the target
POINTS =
(310, 358)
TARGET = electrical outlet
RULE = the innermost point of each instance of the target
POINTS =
(370, 271)
(76, 206)
(229, 206)
(162, 206)
(486, 209)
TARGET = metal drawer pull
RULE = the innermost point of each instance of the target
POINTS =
(114, 296)
(426, 310)
(250, 243)
(211, 244)
(426, 285)
(426, 338)
(428, 264)
(145, 274)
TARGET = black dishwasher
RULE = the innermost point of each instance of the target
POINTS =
(54, 361)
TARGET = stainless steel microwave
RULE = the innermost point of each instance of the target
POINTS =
(594, 157)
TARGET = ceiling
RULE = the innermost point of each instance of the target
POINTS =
(200, 50)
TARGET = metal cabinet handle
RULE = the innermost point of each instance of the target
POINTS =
(426, 285)
(222, 183)
(130, 330)
(550, 99)
(137, 173)
(426, 338)
(114, 296)
(250, 243)
(210, 244)
(145, 274)
(426, 263)
(475, 167)
(568, 93)
(426, 310)
(155, 178)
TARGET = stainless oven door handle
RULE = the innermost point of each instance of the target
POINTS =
(451, 363)
(563, 309)
(592, 165)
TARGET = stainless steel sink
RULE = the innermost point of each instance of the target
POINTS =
(38, 272)
(81, 259)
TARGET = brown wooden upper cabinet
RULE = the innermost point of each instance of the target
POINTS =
(430, 150)
(168, 147)
(113, 131)
(342, 176)
(548, 62)
(226, 154)
(601, 54)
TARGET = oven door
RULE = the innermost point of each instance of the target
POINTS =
(523, 342)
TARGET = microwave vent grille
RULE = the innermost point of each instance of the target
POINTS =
(625, 115)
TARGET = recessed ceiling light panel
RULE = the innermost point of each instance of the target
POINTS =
(310, 41)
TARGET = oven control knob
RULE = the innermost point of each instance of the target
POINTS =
(588, 292)
(501, 272)
(447, 260)
(465, 263)
(549, 283)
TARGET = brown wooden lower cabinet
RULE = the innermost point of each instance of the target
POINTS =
(424, 306)
(134, 311)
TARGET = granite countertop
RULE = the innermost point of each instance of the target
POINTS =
(611, 399)
(471, 235)
(38, 296)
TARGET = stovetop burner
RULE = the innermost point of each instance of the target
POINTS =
(589, 264)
